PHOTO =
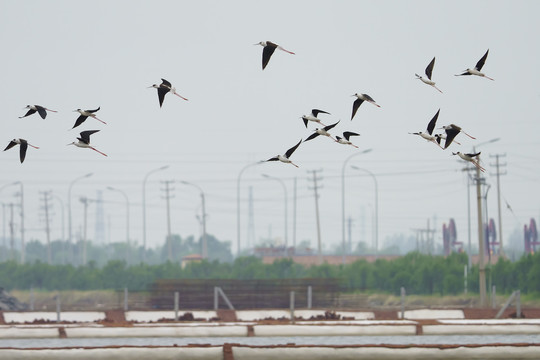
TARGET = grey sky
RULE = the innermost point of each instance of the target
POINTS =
(80, 54)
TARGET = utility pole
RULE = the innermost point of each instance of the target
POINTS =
(85, 202)
(499, 173)
(349, 234)
(45, 207)
(316, 192)
(167, 197)
(251, 221)
(11, 232)
(23, 246)
(481, 263)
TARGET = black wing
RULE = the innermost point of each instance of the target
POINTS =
(29, 112)
(10, 145)
(429, 68)
(166, 83)
(368, 98)
(481, 62)
(450, 135)
(85, 136)
(275, 158)
(291, 150)
(305, 121)
(41, 111)
(331, 126)
(93, 111)
(312, 136)
(268, 50)
(473, 155)
(22, 151)
(355, 106)
(316, 112)
(79, 121)
(348, 134)
(161, 91)
(431, 124)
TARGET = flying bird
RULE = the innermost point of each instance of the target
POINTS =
(471, 158)
(24, 146)
(429, 131)
(428, 71)
(360, 99)
(313, 117)
(163, 89)
(84, 115)
(286, 158)
(477, 68)
(84, 141)
(451, 132)
(268, 49)
(323, 131)
(42, 111)
(345, 139)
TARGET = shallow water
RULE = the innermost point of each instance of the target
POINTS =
(299, 340)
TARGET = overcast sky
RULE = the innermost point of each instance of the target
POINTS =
(66, 55)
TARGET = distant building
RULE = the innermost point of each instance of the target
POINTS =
(190, 259)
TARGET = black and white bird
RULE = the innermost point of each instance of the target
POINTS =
(429, 71)
(451, 132)
(477, 68)
(313, 117)
(268, 49)
(84, 141)
(345, 139)
(23, 147)
(360, 99)
(428, 135)
(85, 114)
(472, 158)
(42, 111)
(286, 157)
(163, 89)
(323, 131)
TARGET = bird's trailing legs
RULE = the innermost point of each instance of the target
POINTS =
(287, 51)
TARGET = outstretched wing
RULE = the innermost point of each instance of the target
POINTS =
(29, 112)
(473, 155)
(85, 136)
(79, 121)
(41, 111)
(331, 126)
(161, 91)
(348, 134)
(93, 111)
(291, 150)
(429, 68)
(10, 145)
(316, 112)
(432, 123)
(355, 106)
(481, 62)
(165, 83)
(268, 50)
(22, 151)
(450, 135)
(312, 136)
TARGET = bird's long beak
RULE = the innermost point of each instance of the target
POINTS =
(70, 144)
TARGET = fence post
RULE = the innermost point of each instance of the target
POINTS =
(518, 304)
(31, 298)
(402, 303)
(58, 307)
(125, 299)
(309, 294)
(176, 298)
(216, 299)
(291, 299)
(465, 273)
(493, 299)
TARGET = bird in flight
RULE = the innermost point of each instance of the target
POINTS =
(268, 49)
(428, 135)
(429, 70)
(163, 89)
(313, 117)
(472, 158)
(477, 68)
(42, 111)
(23, 147)
(451, 132)
(84, 115)
(286, 157)
(323, 131)
(345, 139)
(360, 99)
(84, 141)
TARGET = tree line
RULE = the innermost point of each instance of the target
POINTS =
(418, 273)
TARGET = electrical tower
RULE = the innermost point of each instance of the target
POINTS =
(46, 198)
(167, 196)
(498, 173)
(315, 188)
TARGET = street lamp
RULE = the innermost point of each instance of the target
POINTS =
(238, 203)
(127, 219)
(376, 205)
(343, 198)
(204, 237)
(285, 206)
(144, 205)
(69, 207)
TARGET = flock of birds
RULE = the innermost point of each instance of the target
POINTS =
(450, 131)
